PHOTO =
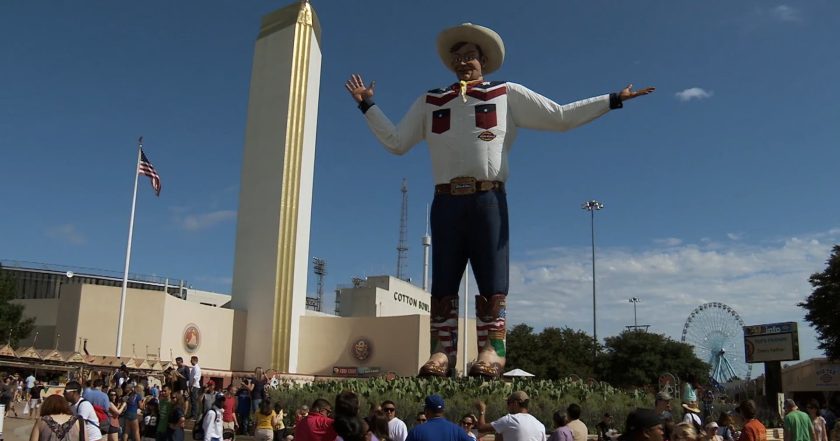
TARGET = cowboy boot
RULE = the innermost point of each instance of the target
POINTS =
(443, 329)
(490, 332)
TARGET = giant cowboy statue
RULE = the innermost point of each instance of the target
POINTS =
(469, 128)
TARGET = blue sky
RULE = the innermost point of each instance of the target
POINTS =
(721, 186)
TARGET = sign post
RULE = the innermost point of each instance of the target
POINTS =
(772, 344)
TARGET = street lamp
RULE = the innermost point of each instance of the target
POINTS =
(635, 300)
(593, 206)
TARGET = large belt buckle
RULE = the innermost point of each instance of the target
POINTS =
(462, 186)
(486, 186)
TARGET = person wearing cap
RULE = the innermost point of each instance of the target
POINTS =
(470, 127)
(208, 398)
(798, 425)
(711, 432)
(517, 425)
(662, 406)
(436, 427)
(643, 425)
(83, 409)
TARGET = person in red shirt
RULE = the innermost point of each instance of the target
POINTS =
(229, 416)
(317, 425)
(753, 430)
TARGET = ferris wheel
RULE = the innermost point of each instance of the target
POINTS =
(716, 332)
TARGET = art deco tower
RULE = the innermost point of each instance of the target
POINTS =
(275, 200)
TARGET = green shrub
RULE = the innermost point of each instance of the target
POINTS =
(546, 396)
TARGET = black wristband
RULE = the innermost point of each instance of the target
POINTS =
(366, 104)
(615, 101)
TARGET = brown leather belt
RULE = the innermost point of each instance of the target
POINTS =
(465, 186)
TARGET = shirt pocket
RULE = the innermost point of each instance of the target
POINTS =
(485, 116)
(441, 120)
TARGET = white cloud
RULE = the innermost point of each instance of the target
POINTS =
(693, 93)
(195, 222)
(734, 236)
(786, 13)
(67, 233)
(668, 241)
(762, 282)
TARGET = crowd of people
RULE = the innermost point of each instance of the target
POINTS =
(122, 407)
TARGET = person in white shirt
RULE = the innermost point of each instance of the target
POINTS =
(195, 388)
(470, 127)
(397, 430)
(83, 409)
(212, 423)
(517, 425)
(30, 383)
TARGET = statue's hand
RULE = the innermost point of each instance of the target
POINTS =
(356, 86)
(628, 93)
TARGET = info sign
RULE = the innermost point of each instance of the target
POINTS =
(771, 342)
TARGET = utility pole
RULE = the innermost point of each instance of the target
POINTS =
(402, 246)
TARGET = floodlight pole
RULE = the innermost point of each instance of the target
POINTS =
(635, 300)
(593, 206)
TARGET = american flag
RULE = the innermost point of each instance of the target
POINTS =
(146, 168)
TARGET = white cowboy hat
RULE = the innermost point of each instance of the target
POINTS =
(491, 44)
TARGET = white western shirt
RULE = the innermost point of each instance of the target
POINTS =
(473, 138)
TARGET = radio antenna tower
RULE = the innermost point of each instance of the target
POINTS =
(402, 246)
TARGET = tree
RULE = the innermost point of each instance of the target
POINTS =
(637, 358)
(12, 321)
(552, 354)
(823, 305)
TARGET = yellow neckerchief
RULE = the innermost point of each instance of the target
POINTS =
(464, 84)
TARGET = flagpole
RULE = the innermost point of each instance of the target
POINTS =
(128, 249)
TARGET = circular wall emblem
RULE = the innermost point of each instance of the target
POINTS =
(191, 337)
(361, 349)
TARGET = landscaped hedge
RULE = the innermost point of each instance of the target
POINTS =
(546, 396)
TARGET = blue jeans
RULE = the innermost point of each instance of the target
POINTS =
(195, 399)
(470, 228)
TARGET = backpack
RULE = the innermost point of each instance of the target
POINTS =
(198, 429)
(103, 423)
(695, 421)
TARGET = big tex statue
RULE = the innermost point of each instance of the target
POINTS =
(469, 128)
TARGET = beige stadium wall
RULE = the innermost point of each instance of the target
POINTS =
(98, 314)
(215, 326)
(45, 312)
(400, 344)
(153, 321)
(397, 346)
